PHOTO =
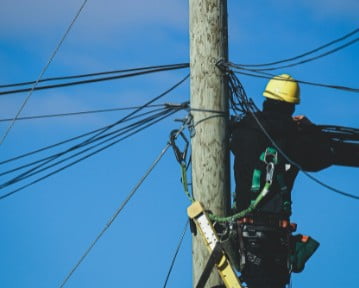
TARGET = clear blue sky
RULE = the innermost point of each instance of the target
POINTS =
(47, 227)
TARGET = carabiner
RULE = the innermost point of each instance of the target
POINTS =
(270, 172)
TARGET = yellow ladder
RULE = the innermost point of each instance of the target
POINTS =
(204, 226)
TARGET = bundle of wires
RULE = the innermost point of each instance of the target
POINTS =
(260, 70)
(77, 149)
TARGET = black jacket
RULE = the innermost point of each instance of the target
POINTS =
(305, 146)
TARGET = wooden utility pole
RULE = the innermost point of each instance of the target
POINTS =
(210, 155)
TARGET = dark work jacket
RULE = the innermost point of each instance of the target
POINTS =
(306, 146)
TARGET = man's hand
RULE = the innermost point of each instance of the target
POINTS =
(302, 120)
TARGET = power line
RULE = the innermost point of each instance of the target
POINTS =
(117, 212)
(337, 87)
(153, 119)
(114, 134)
(100, 79)
(76, 161)
(79, 113)
(64, 142)
(146, 104)
(306, 53)
(309, 59)
(92, 74)
(42, 72)
(106, 128)
(176, 253)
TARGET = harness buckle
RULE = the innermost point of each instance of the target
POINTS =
(270, 156)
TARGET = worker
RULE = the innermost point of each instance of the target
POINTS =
(270, 147)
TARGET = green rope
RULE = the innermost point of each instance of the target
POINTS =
(244, 212)
(184, 181)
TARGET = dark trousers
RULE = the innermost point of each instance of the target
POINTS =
(266, 251)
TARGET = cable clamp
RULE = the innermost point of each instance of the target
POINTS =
(223, 66)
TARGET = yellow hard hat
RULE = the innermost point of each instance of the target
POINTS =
(283, 88)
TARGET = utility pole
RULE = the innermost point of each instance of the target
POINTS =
(209, 92)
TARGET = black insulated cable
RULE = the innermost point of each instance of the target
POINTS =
(355, 31)
(79, 113)
(330, 86)
(78, 146)
(60, 78)
(80, 159)
(100, 79)
(103, 129)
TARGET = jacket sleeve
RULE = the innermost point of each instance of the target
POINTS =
(345, 154)
(311, 149)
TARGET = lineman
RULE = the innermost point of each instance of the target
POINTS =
(265, 169)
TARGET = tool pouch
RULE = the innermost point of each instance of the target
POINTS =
(303, 247)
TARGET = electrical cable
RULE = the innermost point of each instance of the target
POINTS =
(42, 73)
(54, 156)
(116, 133)
(304, 54)
(103, 129)
(76, 161)
(86, 142)
(147, 103)
(92, 75)
(80, 82)
(253, 113)
(117, 212)
(176, 253)
(338, 87)
(77, 113)
(309, 59)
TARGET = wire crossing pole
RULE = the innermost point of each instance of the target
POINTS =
(210, 156)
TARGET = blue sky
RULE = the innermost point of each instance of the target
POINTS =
(47, 227)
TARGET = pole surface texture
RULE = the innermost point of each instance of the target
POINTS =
(210, 156)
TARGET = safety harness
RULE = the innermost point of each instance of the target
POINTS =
(270, 161)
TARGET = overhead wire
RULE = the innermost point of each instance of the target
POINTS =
(79, 113)
(176, 253)
(72, 163)
(105, 128)
(307, 60)
(114, 134)
(95, 80)
(117, 212)
(146, 104)
(50, 79)
(7, 131)
(355, 31)
(71, 148)
(169, 110)
(246, 69)
(269, 76)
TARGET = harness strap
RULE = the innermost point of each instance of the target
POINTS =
(270, 158)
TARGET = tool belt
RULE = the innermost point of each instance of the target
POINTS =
(264, 251)
(302, 248)
(268, 221)
(265, 235)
